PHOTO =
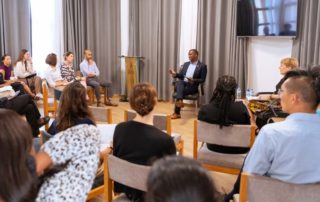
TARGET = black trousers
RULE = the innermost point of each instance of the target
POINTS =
(24, 105)
(184, 88)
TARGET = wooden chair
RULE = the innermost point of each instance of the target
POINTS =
(50, 105)
(162, 122)
(126, 173)
(261, 188)
(233, 136)
(90, 91)
(101, 114)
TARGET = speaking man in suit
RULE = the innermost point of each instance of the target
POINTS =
(190, 76)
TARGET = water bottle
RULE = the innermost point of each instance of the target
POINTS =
(251, 92)
(248, 95)
(238, 95)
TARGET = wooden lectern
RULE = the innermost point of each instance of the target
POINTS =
(129, 75)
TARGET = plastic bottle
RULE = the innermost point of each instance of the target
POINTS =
(238, 95)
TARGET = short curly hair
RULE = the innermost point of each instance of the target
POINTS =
(290, 62)
(143, 98)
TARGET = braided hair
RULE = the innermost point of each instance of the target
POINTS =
(223, 96)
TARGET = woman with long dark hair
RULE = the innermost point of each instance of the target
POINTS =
(17, 168)
(73, 109)
(225, 111)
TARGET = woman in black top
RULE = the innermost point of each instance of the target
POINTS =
(223, 110)
(138, 141)
(73, 109)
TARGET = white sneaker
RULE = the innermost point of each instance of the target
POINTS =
(39, 95)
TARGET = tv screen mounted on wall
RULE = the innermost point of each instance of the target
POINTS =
(267, 17)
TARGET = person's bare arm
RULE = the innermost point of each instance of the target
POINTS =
(105, 152)
(172, 72)
(43, 162)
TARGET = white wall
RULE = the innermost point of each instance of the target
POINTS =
(264, 55)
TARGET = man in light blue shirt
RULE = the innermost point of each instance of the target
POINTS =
(90, 70)
(289, 150)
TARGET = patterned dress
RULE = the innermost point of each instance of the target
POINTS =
(78, 149)
(67, 72)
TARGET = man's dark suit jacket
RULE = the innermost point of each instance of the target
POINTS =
(199, 75)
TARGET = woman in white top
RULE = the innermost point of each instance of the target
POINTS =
(24, 68)
(53, 74)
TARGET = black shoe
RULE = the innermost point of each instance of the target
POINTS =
(43, 121)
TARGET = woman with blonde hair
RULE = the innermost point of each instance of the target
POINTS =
(286, 65)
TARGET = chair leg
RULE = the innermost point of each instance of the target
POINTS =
(105, 95)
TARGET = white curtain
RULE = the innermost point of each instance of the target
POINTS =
(47, 32)
(189, 13)
(124, 38)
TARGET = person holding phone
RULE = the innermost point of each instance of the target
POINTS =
(190, 76)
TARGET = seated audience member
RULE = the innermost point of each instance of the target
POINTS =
(90, 70)
(6, 70)
(18, 170)
(223, 110)
(190, 76)
(289, 74)
(52, 74)
(23, 105)
(67, 70)
(71, 159)
(24, 68)
(138, 141)
(287, 150)
(179, 179)
(73, 109)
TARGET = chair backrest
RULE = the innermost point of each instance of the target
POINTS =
(101, 114)
(44, 137)
(160, 121)
(261, 188)
(126, 173)
(233, 136)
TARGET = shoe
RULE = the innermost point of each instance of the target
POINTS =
(43, 121)
(99, 104)
(179, 104)
(175, 116)
(109, 103)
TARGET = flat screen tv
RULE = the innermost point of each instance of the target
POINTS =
(267, 17)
